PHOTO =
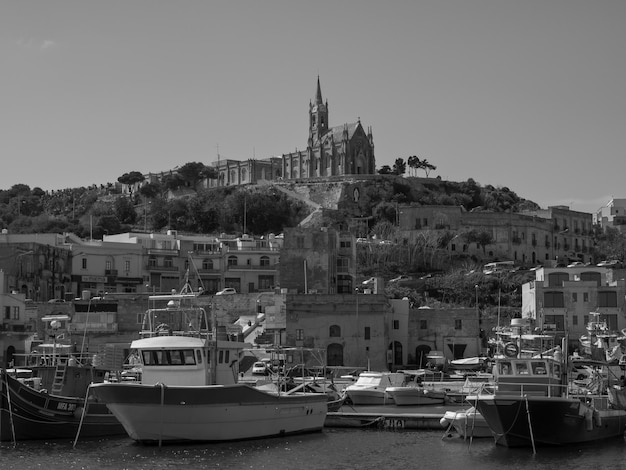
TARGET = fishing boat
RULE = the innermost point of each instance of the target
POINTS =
(189, 388)
(370, 388)
(534, 401)
(47, 397)
(413, 392)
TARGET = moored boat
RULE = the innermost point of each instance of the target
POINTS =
(189, 388)
(31, 413)
(370, 388)
(534, 402)
(413, 392)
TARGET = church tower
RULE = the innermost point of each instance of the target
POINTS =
(318, 116)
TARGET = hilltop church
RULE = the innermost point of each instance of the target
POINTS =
(331, 151)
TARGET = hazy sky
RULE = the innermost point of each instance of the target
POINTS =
(527, 94)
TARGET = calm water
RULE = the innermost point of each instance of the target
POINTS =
(334, 448)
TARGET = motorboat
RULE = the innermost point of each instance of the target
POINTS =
(370, 388)
(413, 392)
(189, 389)
(466, 423)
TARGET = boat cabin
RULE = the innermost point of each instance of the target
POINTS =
(529, 376)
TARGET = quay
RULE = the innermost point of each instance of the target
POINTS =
(391, 416)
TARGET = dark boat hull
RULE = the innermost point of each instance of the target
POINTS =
(526, 421)
(27, 414)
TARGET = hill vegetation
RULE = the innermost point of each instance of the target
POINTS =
(177, 202)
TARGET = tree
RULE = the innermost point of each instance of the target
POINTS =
(130, 179)
(414, 163)
(426, 166)
(385, 170)
(399, 167)
(194, 172)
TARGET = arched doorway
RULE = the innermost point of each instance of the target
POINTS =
(334, 355)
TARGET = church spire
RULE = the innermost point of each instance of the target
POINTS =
(318, 94)
(318, 116)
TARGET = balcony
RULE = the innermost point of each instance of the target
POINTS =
(252, 267)
(161, 268)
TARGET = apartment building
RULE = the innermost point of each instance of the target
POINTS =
(560, 299)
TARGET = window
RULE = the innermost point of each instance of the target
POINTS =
(334, 331)
(207, 264)
(574, 297)
(299, 242)
(458, 324)
(607, 299)
(557, 279)
(343, 264)
(423, 324)
(585, 299)
(127, 265)
(168, 262)
(557, 320)
(16, 312)
(396, 324)
(345, 244)
(299, 334)
(107, 265)
(367, 333)
(265, 261)
(232, 261)
(7, 313)
(84, 263)
(553, 300)
(152, 262)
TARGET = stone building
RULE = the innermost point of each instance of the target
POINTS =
(320, 261)
(554, 235)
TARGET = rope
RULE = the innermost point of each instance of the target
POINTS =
(530, 427)
(82, 417)
(6, 381)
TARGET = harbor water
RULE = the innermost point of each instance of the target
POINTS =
(333, 448)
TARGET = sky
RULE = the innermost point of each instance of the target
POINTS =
(524, 94)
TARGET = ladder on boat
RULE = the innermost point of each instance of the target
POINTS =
(59, 375)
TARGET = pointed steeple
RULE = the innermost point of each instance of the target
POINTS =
(318, 94)
(318, 116)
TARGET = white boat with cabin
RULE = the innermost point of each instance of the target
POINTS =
(189, 388)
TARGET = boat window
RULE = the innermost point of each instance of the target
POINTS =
(221, 357)
(189, 356)
(227, 356)
(504, 368)
(539, 368)
(521, 368)
(557, 369)
(175, 357)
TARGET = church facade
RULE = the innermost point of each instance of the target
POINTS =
(343, 150)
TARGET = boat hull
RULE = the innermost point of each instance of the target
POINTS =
(533, 420)
(159, 413)
(369, 397)
(28, 414)
(407, 396)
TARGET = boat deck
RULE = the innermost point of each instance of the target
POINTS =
(391, 416)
